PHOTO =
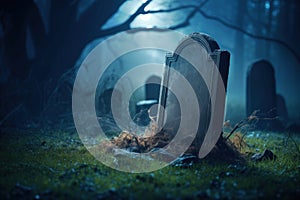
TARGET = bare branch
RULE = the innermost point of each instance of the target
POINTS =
(280, 42)
(234, 27)
(126, 25)
(186, 22)
(190, 16)
(168, 10)
(141, 10)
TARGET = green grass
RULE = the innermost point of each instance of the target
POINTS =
(51, 165)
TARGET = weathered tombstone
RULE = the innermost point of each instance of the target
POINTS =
(206, 89)
(261, 90)
(261, 96)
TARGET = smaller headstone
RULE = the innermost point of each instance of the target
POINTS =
(261, 96)
(261, 90)
(266, 155)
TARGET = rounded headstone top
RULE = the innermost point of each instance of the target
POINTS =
(211, 41)
(261, 66)
(205, 40)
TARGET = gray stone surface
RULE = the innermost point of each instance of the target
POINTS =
(172, 115)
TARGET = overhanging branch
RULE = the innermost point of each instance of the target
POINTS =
(195, 9)
(274, 40)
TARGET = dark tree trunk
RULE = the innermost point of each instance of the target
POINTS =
(56, 52)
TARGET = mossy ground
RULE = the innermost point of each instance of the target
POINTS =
(55, 164)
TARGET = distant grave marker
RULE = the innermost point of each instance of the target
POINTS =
(261, 96)
(261, 90)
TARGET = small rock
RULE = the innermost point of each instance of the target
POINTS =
(266, 155)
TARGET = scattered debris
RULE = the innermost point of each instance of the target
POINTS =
(238, 141)
(266, 155)
(131, 145)
(140, 144)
